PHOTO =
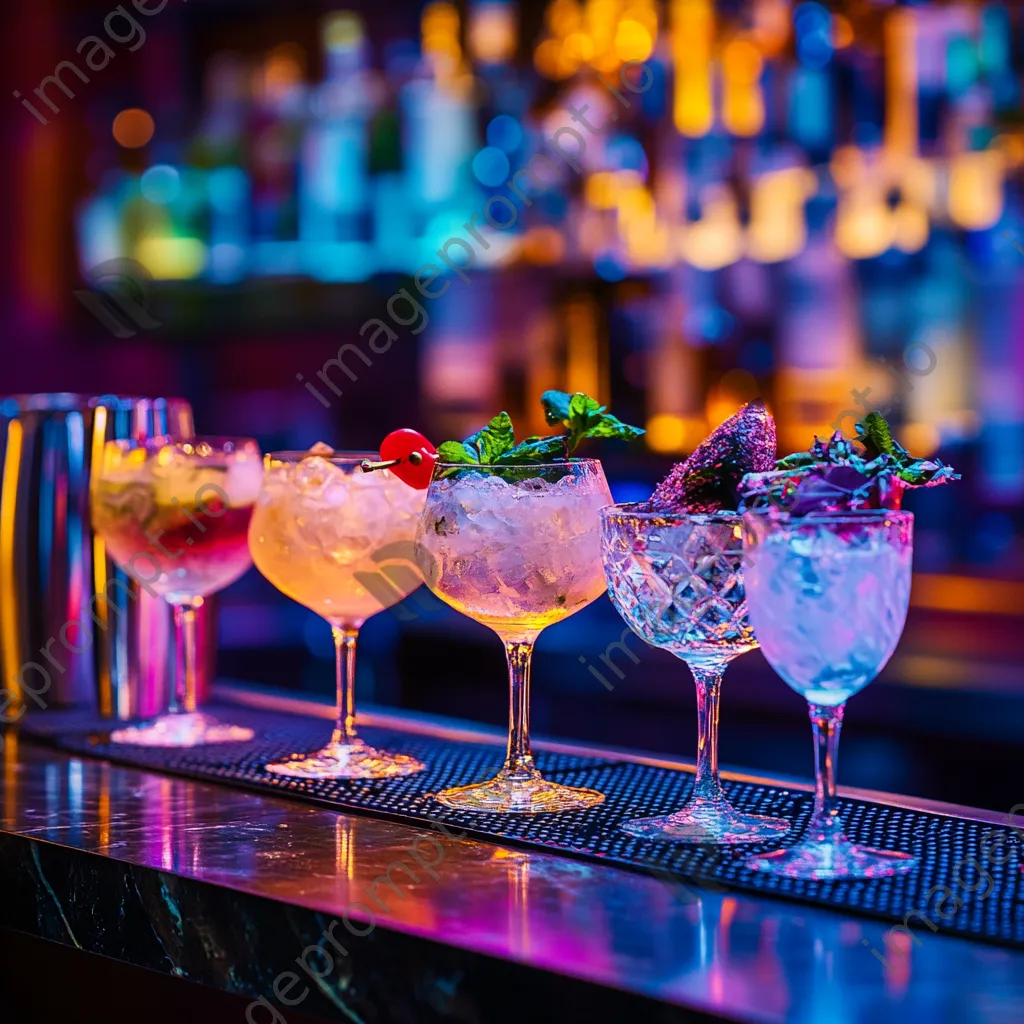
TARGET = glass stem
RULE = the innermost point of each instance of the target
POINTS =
(708, 786)
(345, 677)
(825, 824)
(183, 698)
(519, 760)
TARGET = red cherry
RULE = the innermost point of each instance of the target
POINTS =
(400, 444)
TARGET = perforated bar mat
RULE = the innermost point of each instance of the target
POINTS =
(988, 878)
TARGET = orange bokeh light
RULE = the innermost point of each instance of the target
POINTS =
(133, 128)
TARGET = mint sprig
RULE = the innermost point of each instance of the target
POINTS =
(584, 417)
(495, 444)
(871, 471)
(873, 432)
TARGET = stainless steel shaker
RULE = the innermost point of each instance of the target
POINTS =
(59, 645)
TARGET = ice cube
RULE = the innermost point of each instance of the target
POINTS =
(134, 499)
(180, 480)
(244, 480)
(345, 516)
(320, 448)
(313, 475)
(276, 483)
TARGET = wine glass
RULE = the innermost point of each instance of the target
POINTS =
(322, 532)
(174, 515)
(516, 548)
(677, 580)
(828, 596)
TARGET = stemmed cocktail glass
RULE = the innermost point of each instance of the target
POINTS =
(516, 548)
(828, 596)
(175, 517)
(323, 533)
(677, 580)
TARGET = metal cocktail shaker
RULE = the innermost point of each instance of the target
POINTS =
(74, 629)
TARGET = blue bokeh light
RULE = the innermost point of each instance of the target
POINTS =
(227, 188)
(160, 184)
(625, 153)
(813, 24)
(491, 166)
(505, 132)
(811, 17)
(608, 268)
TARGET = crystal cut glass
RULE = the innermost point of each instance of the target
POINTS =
(677, 580)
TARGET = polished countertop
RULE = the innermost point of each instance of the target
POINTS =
(698, 948)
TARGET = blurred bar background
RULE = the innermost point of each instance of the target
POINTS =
(818, 203)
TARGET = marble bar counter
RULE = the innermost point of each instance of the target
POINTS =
(302, 913)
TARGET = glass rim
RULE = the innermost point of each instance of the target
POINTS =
(80, 401)
(850, 516)
(485, 466)
(339, 457)
(637, 510)
(216, 441)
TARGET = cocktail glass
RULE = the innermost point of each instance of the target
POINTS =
(828, 599)
(175, 516)
(678, 581)
(516, 548)
(323, 533)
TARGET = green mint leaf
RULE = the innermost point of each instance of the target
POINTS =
(536, 449)
(829, 472)
(874, 433)
(494, 440)
(925, 473)
(584, 413)
(612, 426)
(796, 460)
(456, 451)
(556, 407)
(495, 443)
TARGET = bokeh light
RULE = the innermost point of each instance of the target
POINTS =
(491, 166)
(609, 267)
(814, 43)
(161, 184)
(624, 153)
(543, 245)
(133, 128)
(632, 41)
(505, 132)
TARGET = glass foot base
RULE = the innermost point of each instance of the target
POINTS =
(184, 729)
(822, 862)
(354, 760)
(507, 795)
(716, 822)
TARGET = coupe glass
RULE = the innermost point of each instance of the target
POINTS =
(516, 548)
(828, 600)
(678, 581)
(174, 516)
(322, 533)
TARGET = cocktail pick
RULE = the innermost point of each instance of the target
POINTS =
(409, 455)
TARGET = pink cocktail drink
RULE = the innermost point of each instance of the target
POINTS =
(175, 517)
(195, 548)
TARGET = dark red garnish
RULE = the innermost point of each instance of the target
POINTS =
(708, 480)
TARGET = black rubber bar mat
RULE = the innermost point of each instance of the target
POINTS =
(987, 878)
